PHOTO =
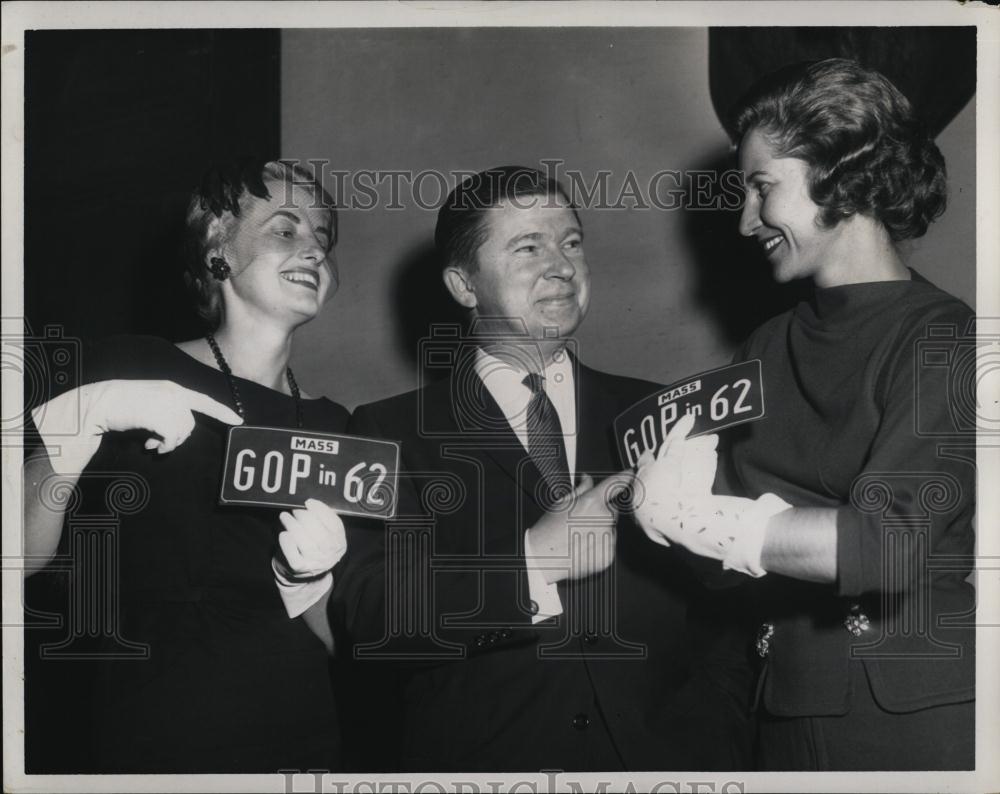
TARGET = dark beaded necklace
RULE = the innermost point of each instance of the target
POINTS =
(293, 386)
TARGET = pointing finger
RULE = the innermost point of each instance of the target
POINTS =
(204, 404)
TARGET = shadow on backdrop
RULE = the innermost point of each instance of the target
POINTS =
(421, 301)
(733, 281)
(119, 127)
(935, 67)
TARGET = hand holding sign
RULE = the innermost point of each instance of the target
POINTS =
(716, 399)
(159, 406)
(685, 465)
(674, 504)
(313, 541)
(681, 474)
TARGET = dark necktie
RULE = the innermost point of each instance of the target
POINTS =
(546, 444)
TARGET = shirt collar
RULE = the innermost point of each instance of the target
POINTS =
(505, 380)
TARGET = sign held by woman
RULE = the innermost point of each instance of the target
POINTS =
(718, 398)
(277, 467)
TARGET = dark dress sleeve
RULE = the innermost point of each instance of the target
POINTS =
(916, 493)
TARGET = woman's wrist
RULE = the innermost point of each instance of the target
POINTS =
(286, 576)
(746, 552)
(299, 594)
(801, 543)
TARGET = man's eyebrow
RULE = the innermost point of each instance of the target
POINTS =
(526, 236)
(755, 174)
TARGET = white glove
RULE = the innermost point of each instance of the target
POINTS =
(312, 543)
(71, 425)
(727, 528)
(682, 466)
(744, 552)
(674, 504)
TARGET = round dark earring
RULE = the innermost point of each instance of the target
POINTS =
(220, 268)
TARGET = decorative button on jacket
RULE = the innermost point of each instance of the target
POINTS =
(856, 621)
(764, 635)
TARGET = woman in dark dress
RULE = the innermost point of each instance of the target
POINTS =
(214, 668)
(862, 474)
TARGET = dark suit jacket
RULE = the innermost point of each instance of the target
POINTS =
(644, 669)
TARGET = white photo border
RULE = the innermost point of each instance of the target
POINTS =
(21, 16)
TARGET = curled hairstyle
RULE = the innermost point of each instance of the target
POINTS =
(461, 223)
(867, 152)
(220, 197)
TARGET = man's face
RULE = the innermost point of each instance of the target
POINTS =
(531, 268)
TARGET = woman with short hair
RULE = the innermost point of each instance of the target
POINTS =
(847, 490)
(231, 680)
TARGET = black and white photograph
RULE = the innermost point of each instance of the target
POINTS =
(482, 397)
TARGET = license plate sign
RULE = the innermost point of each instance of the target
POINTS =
(718, 399)
(278, 467)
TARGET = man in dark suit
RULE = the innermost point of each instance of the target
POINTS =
(534, 627)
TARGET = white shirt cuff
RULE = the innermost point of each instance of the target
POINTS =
(299, 596)
(543, 595)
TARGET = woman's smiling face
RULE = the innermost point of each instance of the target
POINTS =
(282, 256)
(780, 214)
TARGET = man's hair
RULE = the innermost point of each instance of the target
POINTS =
(461, 224)
(866, 150)
(221, 195)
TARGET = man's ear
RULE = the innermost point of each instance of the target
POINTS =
(460, 286)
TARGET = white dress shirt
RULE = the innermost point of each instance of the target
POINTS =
(505, 382)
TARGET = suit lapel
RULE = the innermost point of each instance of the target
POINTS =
(595, 412)
(471, 417)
